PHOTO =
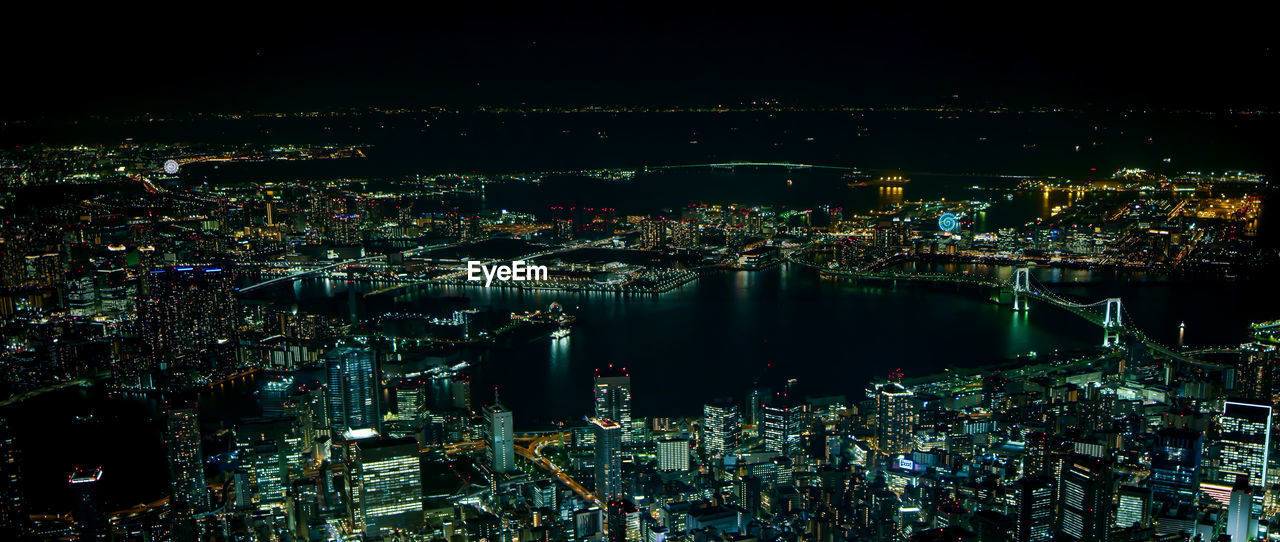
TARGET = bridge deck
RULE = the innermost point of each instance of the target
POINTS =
(1044, 297)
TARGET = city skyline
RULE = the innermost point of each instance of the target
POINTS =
(836, 275)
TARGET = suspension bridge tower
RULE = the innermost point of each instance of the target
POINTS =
(1021, 288)
(1112, 323)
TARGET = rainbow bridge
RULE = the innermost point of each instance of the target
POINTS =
(1022, 287)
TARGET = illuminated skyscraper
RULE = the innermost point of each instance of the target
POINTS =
(608, 458)
(1256, 375)
(1245, 441)
(352, 391)
(307, 406)
(409, 400)
(1084, 498)
(190, 494)
(1033, 501)
(499, 438)
(653, 233)
(613, 397)
(387, 476)
(266, 469)
(782, 425)
(344, 229)
(543, 494)
(45, 269)
(1038, 458)
(88, 508)
(685, 234)
(720, 426)
(892, 233)
(1133, 507)
(895, 418)
(272, 452)
(673, 454)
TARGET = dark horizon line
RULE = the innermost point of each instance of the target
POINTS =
(636, 106)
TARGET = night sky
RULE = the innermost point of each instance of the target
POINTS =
(232, 60)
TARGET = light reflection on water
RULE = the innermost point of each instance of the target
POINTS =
(714, 336)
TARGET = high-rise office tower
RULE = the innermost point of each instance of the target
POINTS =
(409, 400)
(613, 397)
(87, 510)
(307, 406)
(1240, 512)
(895, 418)
(270, 452)
(1039, 457)
(183, 312)
(13, 520)
(188, 490)
(266, 472)
(1033, 501)
(352, 391)
(1256, 373)
(1175, 465)
(721, 426)
(1084, 498)
(499, 438)
(1245, 441)
(1133, 507)
(673, 454)
(608, 458)
(386, 482)
(782, 423)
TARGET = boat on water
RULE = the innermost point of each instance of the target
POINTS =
(560, 333)
(896, 180)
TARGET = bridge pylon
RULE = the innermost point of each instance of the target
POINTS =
(1021, 287)
(1112, 323)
